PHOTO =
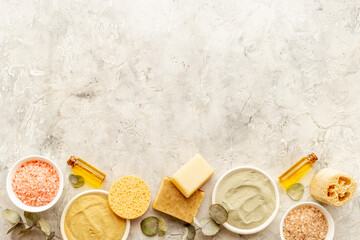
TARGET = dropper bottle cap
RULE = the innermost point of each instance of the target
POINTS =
(312, 157)
(71, 161)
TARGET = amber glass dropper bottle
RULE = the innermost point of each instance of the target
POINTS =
(90, 174)
(293, 174)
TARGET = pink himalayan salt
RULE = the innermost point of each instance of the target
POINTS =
(36, 183)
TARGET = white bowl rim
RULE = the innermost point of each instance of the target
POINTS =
(331, 229)
(13, 196)
(268, 221)
(63, 215)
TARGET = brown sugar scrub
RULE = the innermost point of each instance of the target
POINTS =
(305, 222)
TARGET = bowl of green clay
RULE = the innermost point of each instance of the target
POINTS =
(250, 197)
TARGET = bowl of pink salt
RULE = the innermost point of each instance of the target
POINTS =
(34, 183)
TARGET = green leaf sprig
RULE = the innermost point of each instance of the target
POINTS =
(210, 226)
(189, 232)
(151, 226)
(76, 180)
(295, 191)
(32, 221)
(218, 213)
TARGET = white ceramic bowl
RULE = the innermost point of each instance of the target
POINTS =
(13, 196)
(268, 221)
(62, 220)
(331, 229)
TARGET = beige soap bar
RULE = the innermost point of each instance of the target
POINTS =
(192, 175)
(170, 200)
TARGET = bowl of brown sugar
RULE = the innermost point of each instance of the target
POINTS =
(307, 220)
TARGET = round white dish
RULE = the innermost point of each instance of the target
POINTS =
(13, 196)
(268, 221)
(331, 228)
(63, 215)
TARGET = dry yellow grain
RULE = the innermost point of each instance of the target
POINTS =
(129, 197)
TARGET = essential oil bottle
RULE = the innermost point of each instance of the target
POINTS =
(90, 174)
(293, 174)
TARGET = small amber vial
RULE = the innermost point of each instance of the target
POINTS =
(90, 174)
(293, 174)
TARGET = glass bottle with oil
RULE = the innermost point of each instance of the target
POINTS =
(293, 174)
(90, 174)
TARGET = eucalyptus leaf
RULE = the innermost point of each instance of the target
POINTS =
(190, 232)
(44, 226)
(25, 230)
(76, 180)
(15, 226)
(150, 226)
(50, 236)
(12, 228)
(197, 222)
(209, 227)
(295, 191)
(31, 218)
(218, 213)
(162, 228)
(11, 216)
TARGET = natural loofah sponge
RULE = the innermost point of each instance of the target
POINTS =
(333, 187)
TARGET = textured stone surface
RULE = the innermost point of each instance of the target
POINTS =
(138, 87)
